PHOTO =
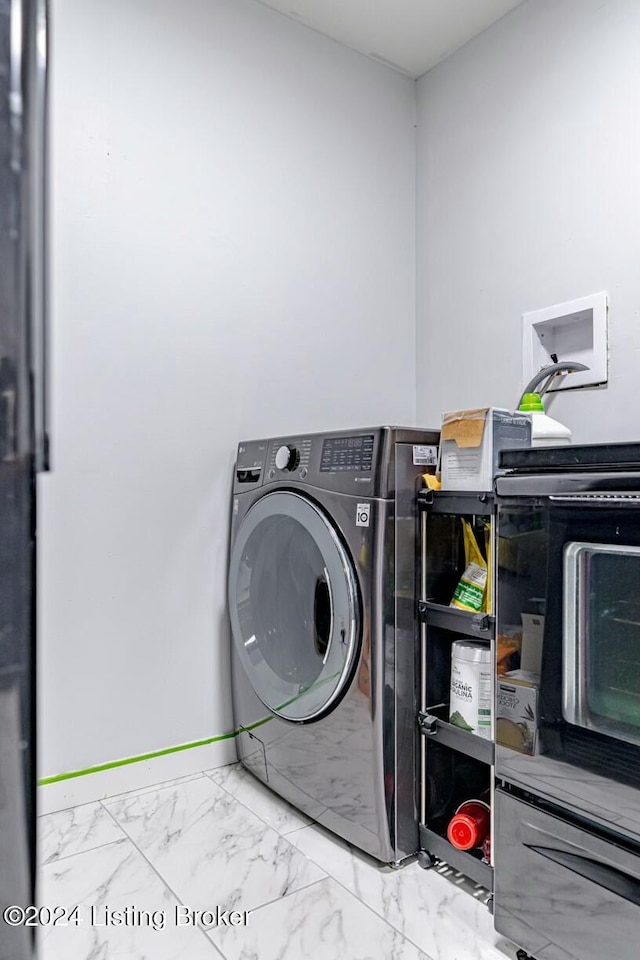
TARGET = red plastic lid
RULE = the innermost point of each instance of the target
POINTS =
(470, 825)
(463, 832)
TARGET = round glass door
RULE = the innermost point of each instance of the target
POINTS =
(294, 606)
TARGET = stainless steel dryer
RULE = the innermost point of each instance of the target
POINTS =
(324, 643)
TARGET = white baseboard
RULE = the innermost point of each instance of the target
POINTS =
(133, 776)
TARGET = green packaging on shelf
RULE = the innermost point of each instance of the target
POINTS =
(469, 594)
(471, 589)
(517, 711)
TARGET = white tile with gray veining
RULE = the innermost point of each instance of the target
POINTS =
(152, 789)
(124, 910)
(441, 919)
(71, 831)
(250, 792)
(222, 840)
(321, 922)
(210, 849)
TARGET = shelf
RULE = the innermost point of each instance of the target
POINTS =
(469, 502)
(480, 625)
(461, 759)
(460, 860)
(439, 731)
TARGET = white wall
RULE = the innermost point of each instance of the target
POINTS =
(529, 195)
(233, 256)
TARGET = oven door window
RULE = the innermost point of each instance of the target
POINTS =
(601, 684)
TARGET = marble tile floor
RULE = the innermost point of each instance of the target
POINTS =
(215, 865)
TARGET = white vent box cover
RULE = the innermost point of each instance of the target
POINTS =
(576, 330)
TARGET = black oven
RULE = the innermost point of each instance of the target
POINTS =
(567, 810)
(568, 559)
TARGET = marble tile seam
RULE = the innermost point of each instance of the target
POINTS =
(130, 840)
(153, 788)
(79, 853)
(311, 828)
(132, 856)
(256, 813)
(64, 833)
(346, 903)
(289, 893)
(355, 884)
(72, 806)
(135, 791)
(188, 899)
(212, 772)
(178, 900)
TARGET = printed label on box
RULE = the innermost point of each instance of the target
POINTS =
(517, 715)
(461, 465)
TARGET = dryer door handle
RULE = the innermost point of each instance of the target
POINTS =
(323, 616)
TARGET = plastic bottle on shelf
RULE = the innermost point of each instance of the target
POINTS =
(545, 431)
(469, 826)
(470, 693)
(486, 849)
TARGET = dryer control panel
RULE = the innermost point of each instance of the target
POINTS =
(347, 453)
(250, 461)
(362, 463)
(289, 458)
(341, 461)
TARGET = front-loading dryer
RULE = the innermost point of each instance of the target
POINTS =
(321, 590)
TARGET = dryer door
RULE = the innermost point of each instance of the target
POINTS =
(293, 601)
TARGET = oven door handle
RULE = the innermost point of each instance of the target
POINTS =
(611, 878)
(597, 499)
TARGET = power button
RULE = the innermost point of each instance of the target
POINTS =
(303, 473)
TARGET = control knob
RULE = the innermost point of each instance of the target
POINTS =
(287, 458)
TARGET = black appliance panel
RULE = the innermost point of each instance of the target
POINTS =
(564, 889)
(591, 639)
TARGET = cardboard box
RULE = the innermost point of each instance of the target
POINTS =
(517, 711)
(508, 647)
(532, 634)
(470, 442)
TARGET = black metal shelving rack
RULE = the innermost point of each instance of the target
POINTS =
(448, 623)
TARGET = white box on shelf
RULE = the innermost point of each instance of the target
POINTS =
(470, 443)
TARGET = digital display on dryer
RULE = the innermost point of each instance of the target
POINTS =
(347, 453)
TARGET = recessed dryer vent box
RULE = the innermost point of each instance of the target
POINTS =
(576, 330)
